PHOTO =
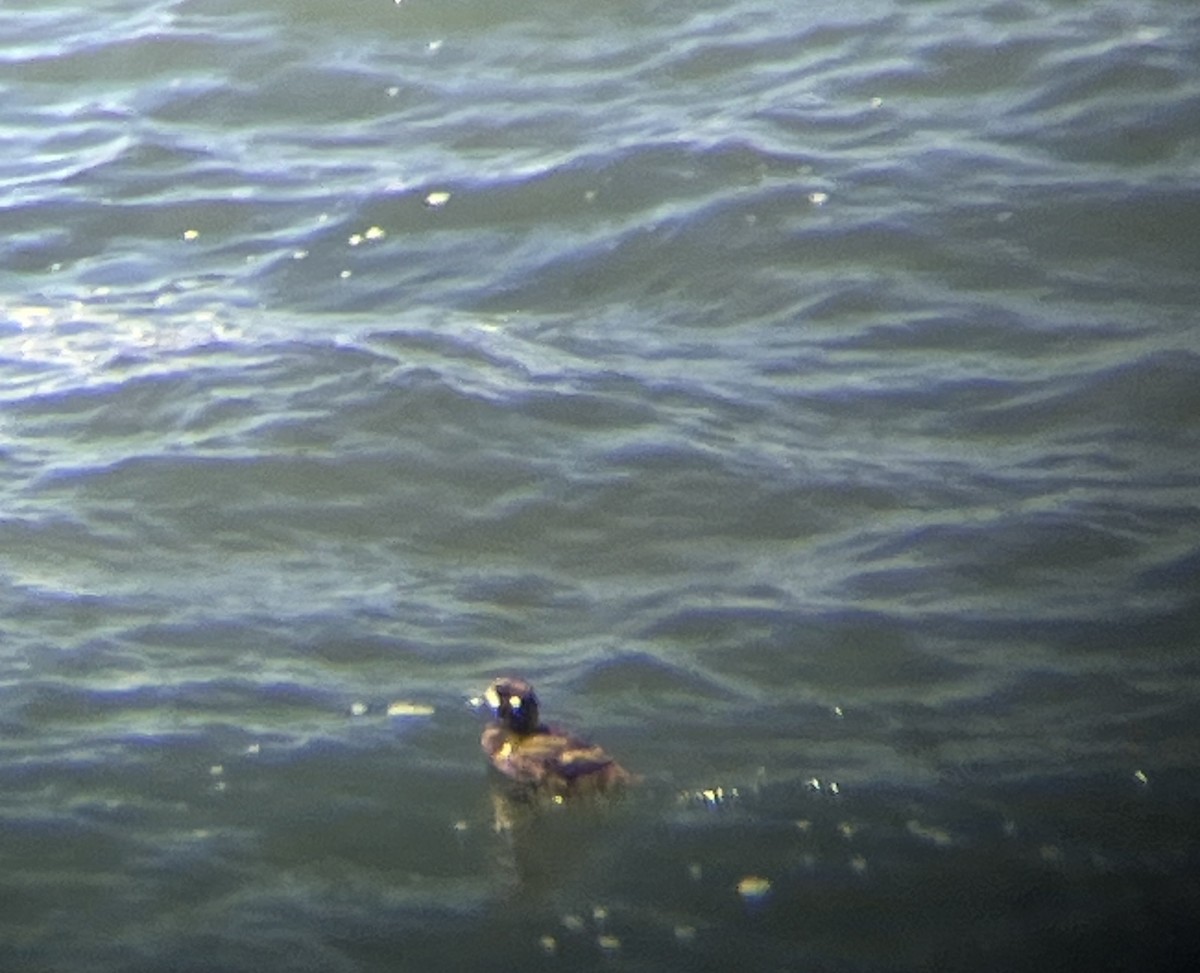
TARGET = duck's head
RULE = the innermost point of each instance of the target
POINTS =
(514, 704)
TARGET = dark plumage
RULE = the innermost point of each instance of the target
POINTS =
(525, 750)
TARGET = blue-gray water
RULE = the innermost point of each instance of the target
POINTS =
(805, 395)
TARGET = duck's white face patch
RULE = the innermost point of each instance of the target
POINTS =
(514, 702)
(492, 697)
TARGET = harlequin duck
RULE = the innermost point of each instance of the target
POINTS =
(548, 762)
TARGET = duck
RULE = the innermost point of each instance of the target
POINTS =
(538, 758)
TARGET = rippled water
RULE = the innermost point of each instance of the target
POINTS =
(805, 396)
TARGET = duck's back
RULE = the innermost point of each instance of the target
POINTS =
(552, 761)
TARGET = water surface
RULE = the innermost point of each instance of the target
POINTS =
(806, 397)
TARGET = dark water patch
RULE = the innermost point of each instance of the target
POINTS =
(443, 421)
(975, 330)
(588, 411)
(689, 227)
(1154, 395)
(632, 265)
(714, 51)
(1045, 564)
(717, 625)
(137, 407)
(1109, 109)
(537, 611)
(861, 654)
(876, 242)
(616, 189)
(1123, 76)
(94, 653)
(1139, 633)
(349, 95)
(858, 653)
(1013, 544)
(866, 302)
(811, 510)
(1180, 575)
(247, 503)
(328, 642)
(1092, 710)
(663, 458)
(640, 689)
(1078, 463)
(201, 638)
(946, 397)
(137, 51)
(1093, 225)
(431, 347)
(524, 591)
(963, 66)
(641, 178)
(645, 493)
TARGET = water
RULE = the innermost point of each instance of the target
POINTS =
(806, 397)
